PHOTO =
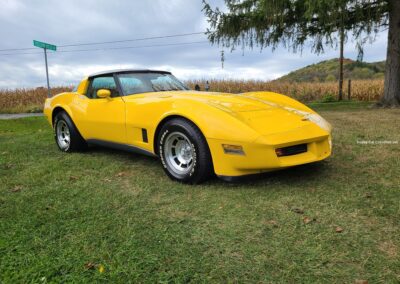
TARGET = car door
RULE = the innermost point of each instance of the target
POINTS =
(105, 117)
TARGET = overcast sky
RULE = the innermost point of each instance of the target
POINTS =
(73, 21)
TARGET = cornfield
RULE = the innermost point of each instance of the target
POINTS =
(361, 90)
(31, 100)
(26, 100)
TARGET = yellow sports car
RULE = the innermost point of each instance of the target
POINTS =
(195, 134)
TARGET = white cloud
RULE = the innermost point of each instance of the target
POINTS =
(76, 21)
(9, 8)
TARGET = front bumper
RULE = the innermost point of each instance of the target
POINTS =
(260, 155)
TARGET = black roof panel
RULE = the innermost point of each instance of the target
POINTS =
(119, 71)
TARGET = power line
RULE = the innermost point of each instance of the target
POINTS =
(109, 42)
(112, 48)
(17, 49)
(130, 40)
(131, 47)
(25, 53)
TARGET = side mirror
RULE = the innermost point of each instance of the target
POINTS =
(103, 93)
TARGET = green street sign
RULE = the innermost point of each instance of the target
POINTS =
(44, 45)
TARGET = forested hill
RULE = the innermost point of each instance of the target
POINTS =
(328, 70)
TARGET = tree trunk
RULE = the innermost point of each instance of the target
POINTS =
(391, 96)
(341, 64)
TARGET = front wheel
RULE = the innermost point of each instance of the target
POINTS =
(184, 152)
(67, 136)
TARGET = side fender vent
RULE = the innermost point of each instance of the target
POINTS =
(144, 135)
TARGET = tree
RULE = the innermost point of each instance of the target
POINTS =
(341, 57)
(293, 23)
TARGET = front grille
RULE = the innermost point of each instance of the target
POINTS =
(291, 150)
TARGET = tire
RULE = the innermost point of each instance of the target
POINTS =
(184, 152)
(66, 134)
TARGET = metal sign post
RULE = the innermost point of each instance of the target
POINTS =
(45, 47)
(47, 73)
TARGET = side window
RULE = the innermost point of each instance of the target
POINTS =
(106, 82)
(132, 85)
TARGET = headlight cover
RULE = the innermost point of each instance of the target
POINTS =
(313, 117)
(318, 120)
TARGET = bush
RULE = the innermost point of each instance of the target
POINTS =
(328, 98)
(330, 78)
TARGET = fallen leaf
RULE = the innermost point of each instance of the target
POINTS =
(297, 210)
(307, 220)
(360, 281)
(107, 180)
(8, 166)
(73, 178)
(368, 195)
(272, 222)
(17, 188)
(101, 268)
(90, 265)
(120, 174)
(338, 229)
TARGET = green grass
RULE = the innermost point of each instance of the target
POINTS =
(59, 212)
(340, 106)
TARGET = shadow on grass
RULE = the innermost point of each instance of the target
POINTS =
(289, 176)
(292, 174)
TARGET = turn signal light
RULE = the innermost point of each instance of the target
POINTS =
(233, 149)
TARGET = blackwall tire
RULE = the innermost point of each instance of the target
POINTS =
(184, 152)
(67, 136)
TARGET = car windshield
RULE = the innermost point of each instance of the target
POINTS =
(134, 83)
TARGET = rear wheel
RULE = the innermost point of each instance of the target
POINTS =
(67, 136)
(184, 152)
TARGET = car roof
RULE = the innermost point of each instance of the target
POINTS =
(120, 71)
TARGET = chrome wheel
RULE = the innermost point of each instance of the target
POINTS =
(63, 135)
(179, 153)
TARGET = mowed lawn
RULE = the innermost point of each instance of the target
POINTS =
(109, 216)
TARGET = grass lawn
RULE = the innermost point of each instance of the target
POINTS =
(108, 216)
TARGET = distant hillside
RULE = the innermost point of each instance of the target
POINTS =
(326, 71)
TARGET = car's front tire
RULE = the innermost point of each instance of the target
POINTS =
(66, 134)
(184, 152)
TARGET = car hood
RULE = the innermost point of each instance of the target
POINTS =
(262, 115)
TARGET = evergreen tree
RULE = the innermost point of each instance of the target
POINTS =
(292, 23)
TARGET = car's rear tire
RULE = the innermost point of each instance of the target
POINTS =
(184, 152)
(66, 134)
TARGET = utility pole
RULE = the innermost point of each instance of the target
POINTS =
(222, 58)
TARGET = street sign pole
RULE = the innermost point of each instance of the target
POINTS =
(45, 47)
(47, 73)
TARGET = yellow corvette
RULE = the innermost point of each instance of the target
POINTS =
(195, 134)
